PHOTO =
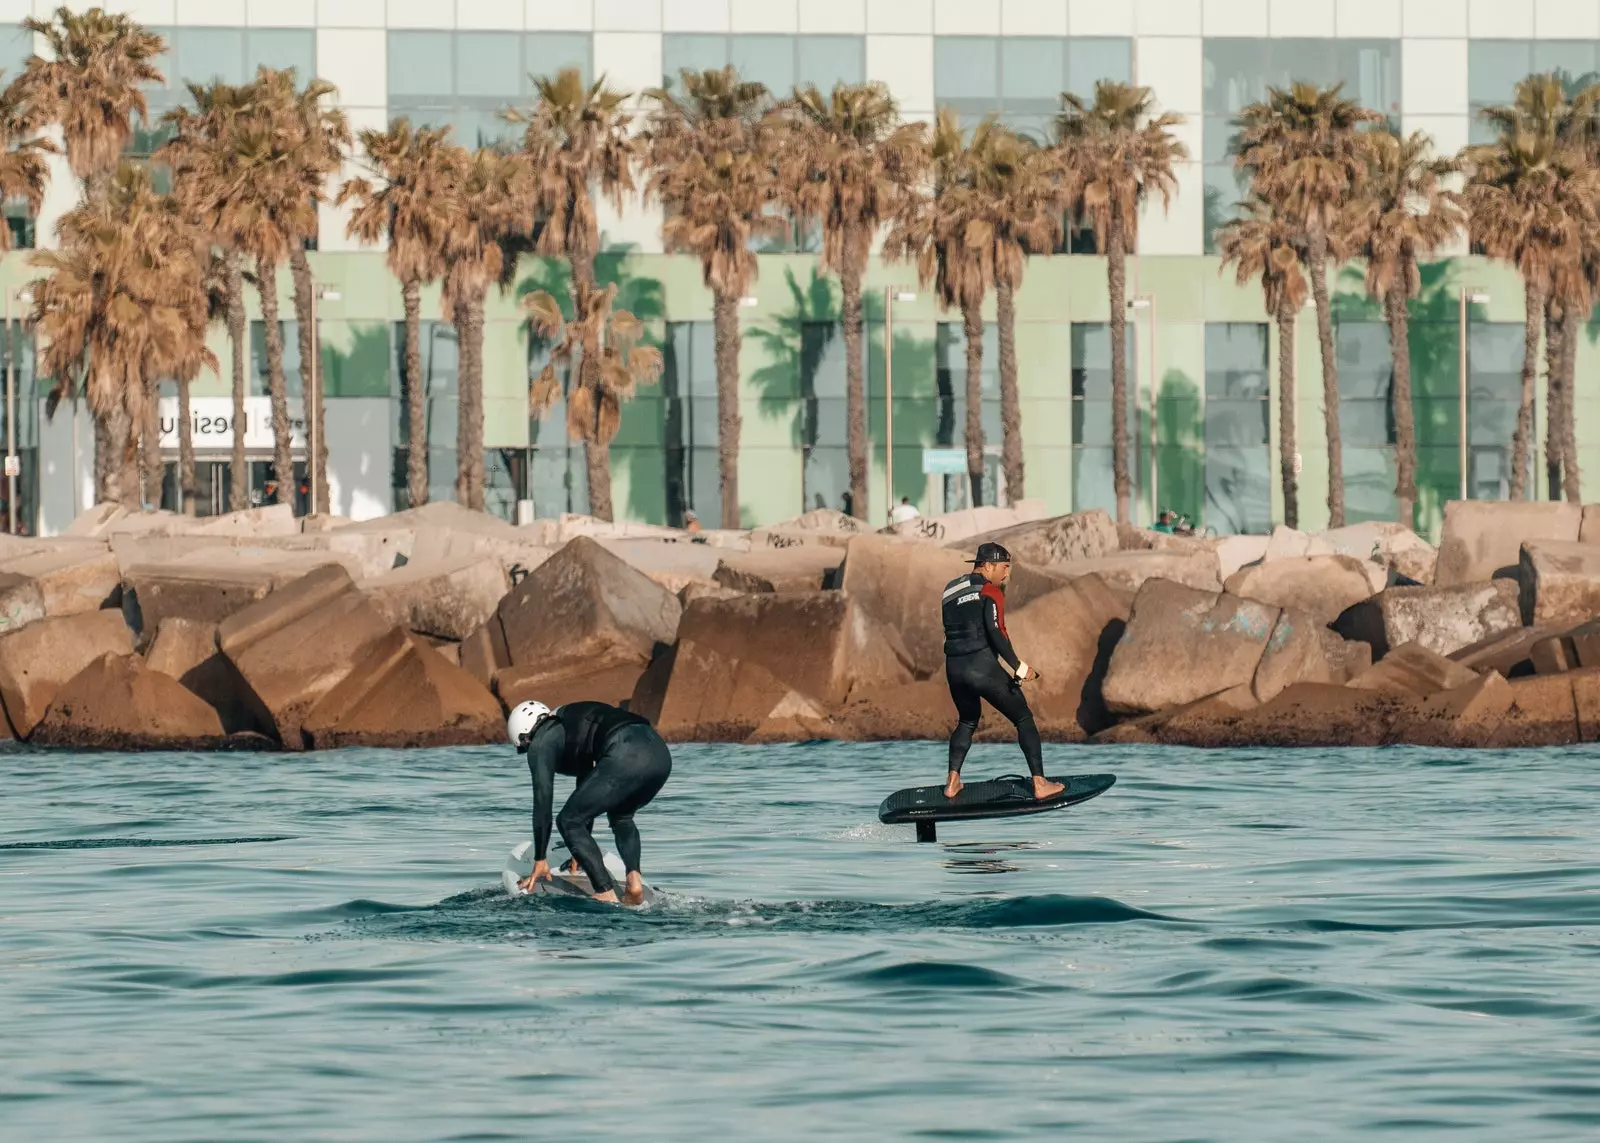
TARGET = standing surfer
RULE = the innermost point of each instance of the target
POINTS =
(620, 763)
(981, 664)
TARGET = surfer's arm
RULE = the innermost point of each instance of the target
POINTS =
(994, 624)
(547, 744)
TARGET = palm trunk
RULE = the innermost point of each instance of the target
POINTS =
(469, 411)
(126, 433)
(1405, 430)
(1010, 404)
(1116, 284)
(972, 328)
(185, 451)
(310, 370)
(416, 386)
(105, 460)
(1571, 483)
(1522, 438)
(150, 447)
(597, 455)
(239, 481)
(855, 393)
(1555, 397)
(1317, 264)
(725, 316)
(1287, 445)
(282, 440)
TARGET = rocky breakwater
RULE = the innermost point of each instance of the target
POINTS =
(257, 631)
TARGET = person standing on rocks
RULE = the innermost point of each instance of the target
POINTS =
(620, 763)
(981, 666)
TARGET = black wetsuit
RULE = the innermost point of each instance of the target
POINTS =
(975, 642)
(620, 763)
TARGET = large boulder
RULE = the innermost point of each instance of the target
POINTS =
(1482, 539)
(298, 643)
(118, 703)
(734, 655)
(1442, 619)
(900, 583)
(1068, 636)
(448, 600)
(1130, 571)
(1560, 582)
(1058, 540)
(808, 567)
(672, 564)
(1321, 586)
(212, 584)
(1508, 654)
(949, 527)
(1235, 552)
(1415, 670)
(38, 659)
(72, 578)
(186, 650)
(1543, 712)
(1317, 714)
(586, 605)
(21, 602)
(1386, 545)
(1297, 651)
(403, 693)
(1467, 715)
(1182, 645)
(612, 683)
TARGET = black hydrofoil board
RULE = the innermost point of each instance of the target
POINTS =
(1008, 797)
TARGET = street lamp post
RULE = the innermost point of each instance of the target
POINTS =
(313, 419)
(890, 297)
(13, 463)
(1476, 296)
(1148, 302)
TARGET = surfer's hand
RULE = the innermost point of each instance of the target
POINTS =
(572, 866)
(541, 872)
(1026, 673)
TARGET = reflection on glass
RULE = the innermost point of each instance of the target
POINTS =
(689, 399)
(1093, 475)
(1238, 452)
(1494, 395)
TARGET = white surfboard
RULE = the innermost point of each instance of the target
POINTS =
(519, 865)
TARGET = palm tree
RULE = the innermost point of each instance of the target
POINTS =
(610, 362)
(122, 303)
(488, 202)
(1119, 152)
(576, 142)
(1261, 245)
(410, 209)
(316, 138)
(848, 162)
(1404, 214)
(91, 84)
(1552, 106)
(711, 161)
(1307, 156)
(204, 178)
(950, 235)
(1530, 200)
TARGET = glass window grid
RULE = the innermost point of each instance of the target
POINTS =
(1021, 78)
(1237, 433)
(1093, 476)
(1238, 71)
(556, 473)
(440, 366)
(1495, 67)
(781, 62)
(1494, 396)
(465, 80)
(689, 419)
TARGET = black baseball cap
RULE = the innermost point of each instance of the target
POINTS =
(991, 554)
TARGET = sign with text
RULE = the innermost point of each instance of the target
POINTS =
(13, 466)
(211, 422)
(944, 461)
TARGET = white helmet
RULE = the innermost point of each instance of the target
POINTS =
(525, 719)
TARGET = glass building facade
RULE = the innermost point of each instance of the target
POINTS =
(1204, 397)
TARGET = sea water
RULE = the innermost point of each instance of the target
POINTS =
(1230, 946)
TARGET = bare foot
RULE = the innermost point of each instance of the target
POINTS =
(1044, 788)
(634, 894)
(953, 786)
(609, 896)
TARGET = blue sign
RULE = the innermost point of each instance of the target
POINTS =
(944, 461)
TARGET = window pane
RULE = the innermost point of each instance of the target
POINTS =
(1370, 71)
(1093, 480)
(1236, 361)
(420, 64)
(966, 67)
(282, 48)
(1366, 367)
(1235, 73)
(1089, 60)
(547, 53)
(1369, 479)
(829, 60)
(822, 361)
(1573, 58)
(482, 124)
(1091, 362)
(1238, 496)
(681, 53)
(1033, 69)
(826, 478)
(291, 358)
(1494, 67)
(16, 45)
(768, 60)
(488, 63)
(207, 55)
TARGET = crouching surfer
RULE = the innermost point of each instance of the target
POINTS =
(620, 764)
(981, 665)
